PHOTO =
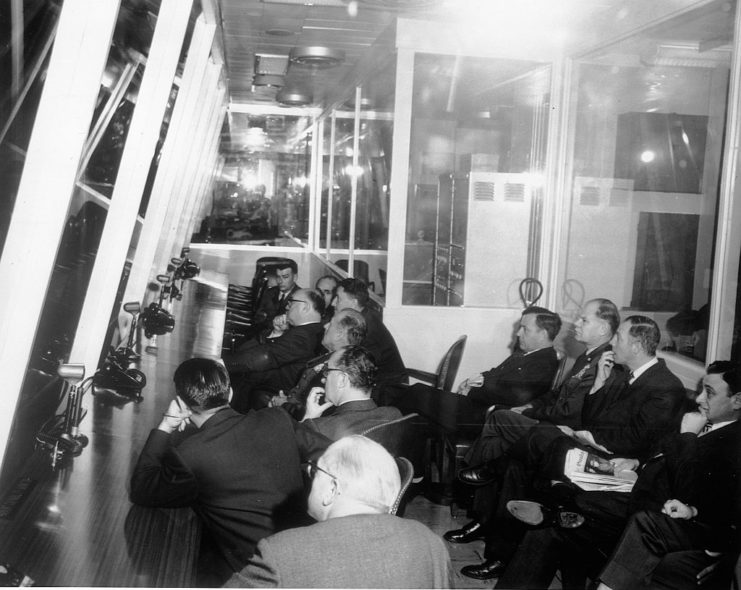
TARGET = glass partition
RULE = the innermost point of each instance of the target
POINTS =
(648, 131)
(262, 195)
(478, 140)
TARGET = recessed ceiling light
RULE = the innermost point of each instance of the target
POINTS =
(317, 56)
(294, 97)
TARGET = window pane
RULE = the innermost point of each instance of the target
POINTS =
(262, 196)
(479, 131)
(647, 149)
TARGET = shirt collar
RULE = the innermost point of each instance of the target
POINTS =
(643, 368)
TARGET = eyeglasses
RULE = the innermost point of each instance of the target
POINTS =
(313, 468)
(292, 300)
(326, 370)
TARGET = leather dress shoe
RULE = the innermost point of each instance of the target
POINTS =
(491, 568)
(536, 514)
(472, 531)
(477, 476)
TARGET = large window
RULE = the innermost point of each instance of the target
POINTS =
(648, 131)
(478, 140)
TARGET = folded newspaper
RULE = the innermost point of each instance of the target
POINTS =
(592, 472)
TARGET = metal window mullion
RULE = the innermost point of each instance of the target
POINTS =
(141, 141)
(354, 183)
(330, 191)
(62, 121)
(187, 160)
(171, 164)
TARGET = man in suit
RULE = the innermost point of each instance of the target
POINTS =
(327, 286)
(349, 375)
(626, 412)
(274, 300)
(268, 364)
(684, 505)
(527, 373)
(594, 328)
(241, 474)
(353, 294)
(355, 484)
(346, 328)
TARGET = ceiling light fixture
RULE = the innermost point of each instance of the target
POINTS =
(293, 97)
(317, 56)
(270, 80)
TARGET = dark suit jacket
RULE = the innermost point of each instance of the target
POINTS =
(564, 405)
(701, 471)
(270, 305)
(380, 342)
(240, 473)
(519, 379)
(277, 363)
(630, 420)
(352, 418)
(310, 377)
(358, 551)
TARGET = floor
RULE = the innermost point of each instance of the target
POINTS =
(439, 519)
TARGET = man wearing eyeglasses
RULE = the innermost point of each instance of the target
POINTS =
(350, 375)
(265, 365)
(354, 487)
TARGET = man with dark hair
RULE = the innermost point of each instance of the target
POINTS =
(353, 294)
(594, 328)
(269, 364)
(626, 411)
(685, 506)
(528, 372)
(241, 474)
(327, 286)
(346, 328)
(350, 377)
(274, 301)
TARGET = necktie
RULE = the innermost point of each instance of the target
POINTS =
(631, 376)
(707, 428)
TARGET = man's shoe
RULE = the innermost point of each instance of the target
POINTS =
(536, 514)
(472, 531)
(484, 571)
(477, 476)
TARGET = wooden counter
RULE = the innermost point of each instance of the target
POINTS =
(75, 525)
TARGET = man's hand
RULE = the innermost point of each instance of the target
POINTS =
(475, 381)
(177, 417)
(280, 325)
(521, 409)
(565, 429)
(624, 464)
(314, 405)
(677, 509)
(587, 438)
(693, 422)
(604, 367)
(278, 400)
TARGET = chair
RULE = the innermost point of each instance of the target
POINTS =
(406, 473)
(446, 370)
(396, 436)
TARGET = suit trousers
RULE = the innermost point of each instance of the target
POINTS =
(501, 429)
(648, 542)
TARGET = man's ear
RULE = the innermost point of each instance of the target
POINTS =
(330, 494)
(229, 397)
(736, 401)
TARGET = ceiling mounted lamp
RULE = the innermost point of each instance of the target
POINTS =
(294, 97)
(269, 80)
(317, 56)
(365, 103)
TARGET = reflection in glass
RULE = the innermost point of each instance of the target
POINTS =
(479, 131)
(647, 150)
(262, 195)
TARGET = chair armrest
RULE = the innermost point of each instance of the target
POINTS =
(425, 376)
